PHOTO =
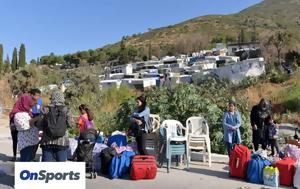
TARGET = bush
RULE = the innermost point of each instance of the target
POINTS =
(248, 82)
(209, 100)
(277, 77)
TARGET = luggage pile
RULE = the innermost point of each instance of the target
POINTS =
(257, 169)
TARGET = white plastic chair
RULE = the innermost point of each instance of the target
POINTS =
(152, 142)
(198, 137)
(174, 133)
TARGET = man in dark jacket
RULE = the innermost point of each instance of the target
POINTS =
(258, 116)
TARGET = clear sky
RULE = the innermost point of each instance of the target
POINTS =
(68, 26)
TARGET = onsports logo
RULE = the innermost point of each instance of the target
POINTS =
(48, 176)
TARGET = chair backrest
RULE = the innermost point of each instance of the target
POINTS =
(173, 128)
(155, 121)
(197, 126)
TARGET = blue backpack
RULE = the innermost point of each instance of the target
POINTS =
(255, 168)
(120, 165)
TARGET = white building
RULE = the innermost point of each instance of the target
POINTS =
(236, 72)
(140, 84)
(105, 84)
(125, 69)
(233, 47)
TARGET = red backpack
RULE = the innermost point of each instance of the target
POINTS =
(238, 161)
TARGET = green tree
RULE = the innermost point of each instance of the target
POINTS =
(150, 52)
(279, 40)
(33, 61)
(242, 37)
(22, 56)
(14, 63)
(7, 66)
(1, 58)
(123, 54)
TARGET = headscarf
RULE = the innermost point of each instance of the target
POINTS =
(143, 99)
(22, 105)
(264, 109)
(57, 99)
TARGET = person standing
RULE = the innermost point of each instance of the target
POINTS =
(140, 120)
(273, 135)
(231, 124)
(258, 118)
(55, 140)
(27, 138)
(85, 120)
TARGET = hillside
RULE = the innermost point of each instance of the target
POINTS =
(269, 15)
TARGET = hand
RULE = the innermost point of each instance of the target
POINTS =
(254, 127)
(139, 122)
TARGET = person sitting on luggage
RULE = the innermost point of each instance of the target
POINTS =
(231, 124)
(273, 135)
(141, 123)
(85, 121)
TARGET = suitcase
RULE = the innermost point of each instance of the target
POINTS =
(286, 169)
(143, 167)
(238, 161)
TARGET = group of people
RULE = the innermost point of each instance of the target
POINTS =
(28, 117)
(264, 129)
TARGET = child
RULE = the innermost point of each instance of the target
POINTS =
(273, 134)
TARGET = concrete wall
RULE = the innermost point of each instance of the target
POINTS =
(238, 71)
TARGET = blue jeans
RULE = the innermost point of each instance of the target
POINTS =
(52, 153)
(27, 154)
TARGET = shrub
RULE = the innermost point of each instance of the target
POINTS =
(209, 100)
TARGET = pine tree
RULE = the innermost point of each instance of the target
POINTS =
(1, 58)
(22, 56)
(14, 63)
(150, 52)
(7, 66)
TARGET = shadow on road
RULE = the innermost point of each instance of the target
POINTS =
(6, 180)
(4, 157)
(6, 175)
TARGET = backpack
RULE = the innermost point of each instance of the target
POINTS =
(255, 168)
(56, 122)
(87, 123)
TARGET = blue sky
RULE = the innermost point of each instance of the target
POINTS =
(68, 26)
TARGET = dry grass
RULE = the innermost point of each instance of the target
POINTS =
(6, 99)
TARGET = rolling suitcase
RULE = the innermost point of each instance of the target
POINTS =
(238, 161)
(143, 167)
(286, 169)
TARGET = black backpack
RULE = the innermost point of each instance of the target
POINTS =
(56, 122)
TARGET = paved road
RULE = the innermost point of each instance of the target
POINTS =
(199, 175)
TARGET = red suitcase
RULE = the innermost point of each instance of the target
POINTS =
(238, 161)
(286, 169)
(143, 167)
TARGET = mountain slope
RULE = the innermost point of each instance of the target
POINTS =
(262, 19)
(269, 16)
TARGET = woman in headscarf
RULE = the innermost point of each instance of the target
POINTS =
(141, 124)
(55, 148)
(27, 135)
(258, 116)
